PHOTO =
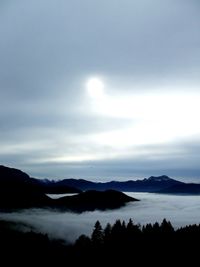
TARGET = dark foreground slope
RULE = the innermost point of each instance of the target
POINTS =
(120, 243)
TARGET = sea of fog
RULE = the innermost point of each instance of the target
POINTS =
(180, 210)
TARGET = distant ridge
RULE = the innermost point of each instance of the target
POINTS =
(151, 184)
(154, 184)
(189, 188)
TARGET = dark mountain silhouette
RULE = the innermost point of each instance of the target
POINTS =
(14, 180)
(91, 200)
(152, 184)
(18, 190)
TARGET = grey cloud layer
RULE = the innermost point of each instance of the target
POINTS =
(46, 41)
(49, 48)
(179, 210)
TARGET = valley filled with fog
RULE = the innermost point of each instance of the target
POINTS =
(181, 210)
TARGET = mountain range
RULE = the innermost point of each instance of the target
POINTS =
(154, 184)
(14, 180)
(151, 184)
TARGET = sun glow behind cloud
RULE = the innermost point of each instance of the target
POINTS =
(95, 88)
(117, 80)
(154, 118)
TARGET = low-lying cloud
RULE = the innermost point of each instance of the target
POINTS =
(180, 210)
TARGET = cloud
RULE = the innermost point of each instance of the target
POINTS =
(48, 52)
(180, 210)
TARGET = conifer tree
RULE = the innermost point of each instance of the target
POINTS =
(97, 235)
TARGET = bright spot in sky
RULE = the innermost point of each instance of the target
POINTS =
(95, 88)
(154, 118)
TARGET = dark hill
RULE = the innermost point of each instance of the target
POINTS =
(91, 200)
(12, 179)
(18, 190)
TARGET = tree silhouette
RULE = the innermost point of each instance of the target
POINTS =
(129, 243)
(107, 233)
(83, 242)
(116, 229)
(133, 228)
(166, 227)
(156, 228)
(97, 235)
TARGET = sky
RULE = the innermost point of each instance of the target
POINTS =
(100, 90)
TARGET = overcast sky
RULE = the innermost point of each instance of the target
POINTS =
(100, 90)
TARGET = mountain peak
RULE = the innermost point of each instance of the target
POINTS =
(161, 178)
